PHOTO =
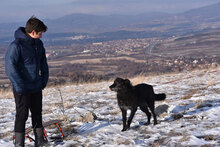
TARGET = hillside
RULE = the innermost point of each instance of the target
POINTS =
(131, 57)
(98, 24)
(192, 117)
(75, 63)
(195, 20)
(200, 45)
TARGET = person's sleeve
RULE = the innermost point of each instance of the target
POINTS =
(44, 69)
(11, 68)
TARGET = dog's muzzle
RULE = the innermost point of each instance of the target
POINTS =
(113, 89)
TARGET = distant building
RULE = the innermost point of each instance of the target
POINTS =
(97, 43)
(195, 61)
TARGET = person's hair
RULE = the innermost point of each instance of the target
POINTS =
(35, 24)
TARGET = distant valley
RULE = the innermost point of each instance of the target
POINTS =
(82, 48)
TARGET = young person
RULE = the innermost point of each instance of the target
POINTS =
(26, 67)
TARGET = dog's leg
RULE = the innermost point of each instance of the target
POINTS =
(124, 115)
(133, 111)
(154, 115)
(145, 110)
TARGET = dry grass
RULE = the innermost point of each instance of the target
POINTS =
(139, 79)
(124, 141)
(86, 87)
(3, 135)
(6, 94)
(190, 94)
(211, 82)
(184, 139)
(136, 80)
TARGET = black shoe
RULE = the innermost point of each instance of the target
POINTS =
(40, 139)
(19, 139)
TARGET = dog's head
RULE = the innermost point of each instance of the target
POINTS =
(120, 84)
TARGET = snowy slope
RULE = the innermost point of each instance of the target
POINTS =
(192, 119)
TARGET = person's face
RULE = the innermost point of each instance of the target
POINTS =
(36, 35)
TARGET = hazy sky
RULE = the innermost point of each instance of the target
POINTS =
(21, 10)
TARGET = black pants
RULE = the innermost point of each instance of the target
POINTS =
(24, 103)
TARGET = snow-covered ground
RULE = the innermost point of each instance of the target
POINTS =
(192, 119)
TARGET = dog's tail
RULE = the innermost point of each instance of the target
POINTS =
(160, 96)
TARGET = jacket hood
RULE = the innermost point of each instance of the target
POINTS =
(20, 34)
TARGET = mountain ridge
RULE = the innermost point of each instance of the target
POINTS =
(195, 20)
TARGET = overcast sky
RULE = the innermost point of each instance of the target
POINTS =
(21, 10)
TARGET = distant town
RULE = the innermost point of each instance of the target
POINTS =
(76, 63)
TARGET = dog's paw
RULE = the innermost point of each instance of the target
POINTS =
(123, 130)
(147, 123)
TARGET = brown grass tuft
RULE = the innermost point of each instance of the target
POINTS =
(190, 94)
(6, 94)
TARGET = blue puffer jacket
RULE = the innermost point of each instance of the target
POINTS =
(26, 63)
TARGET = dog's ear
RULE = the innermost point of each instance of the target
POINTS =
(127, 81)
(118, 79)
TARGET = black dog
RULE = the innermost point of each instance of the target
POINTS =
(132, 97)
